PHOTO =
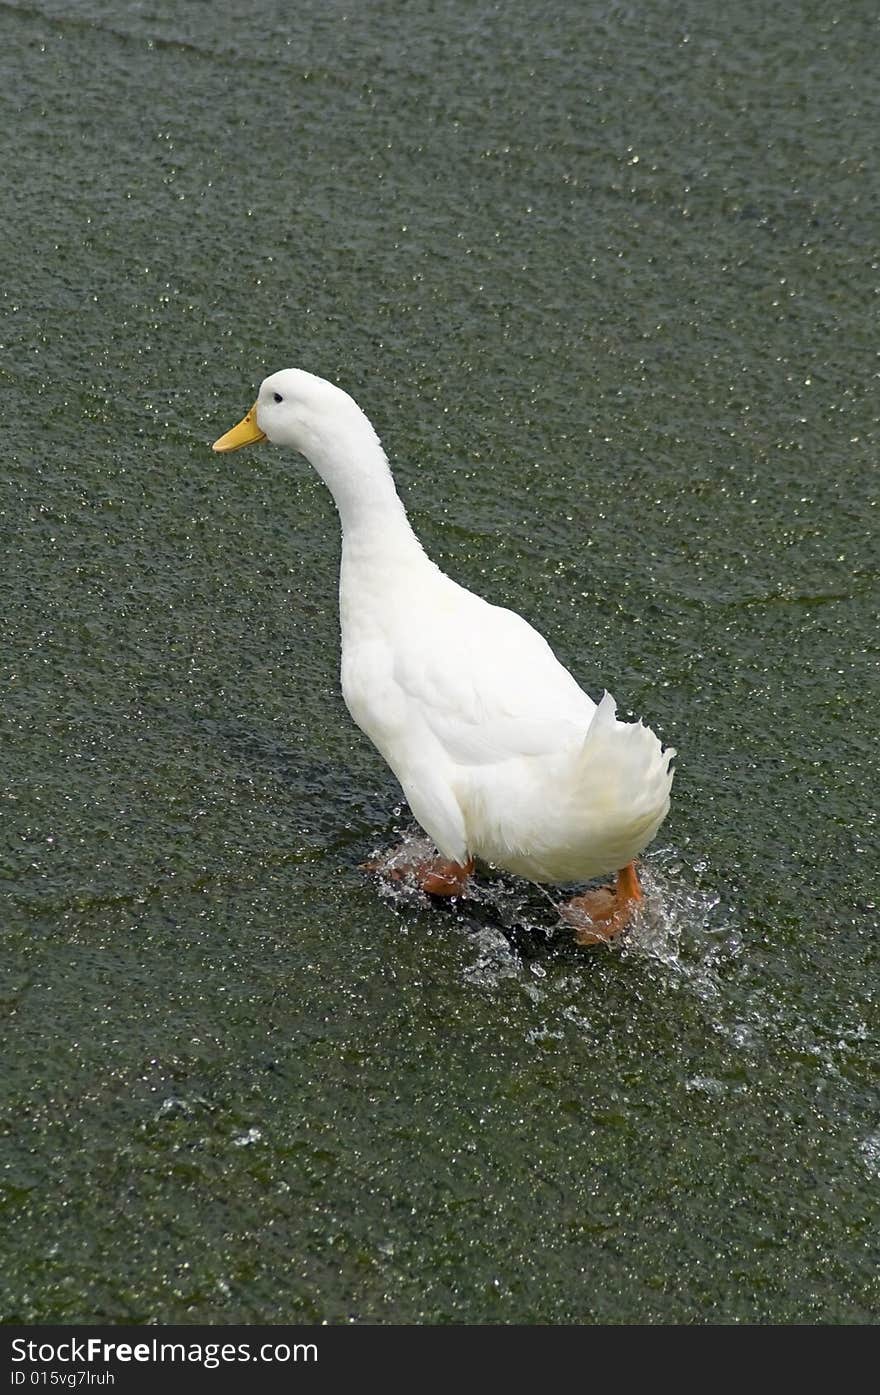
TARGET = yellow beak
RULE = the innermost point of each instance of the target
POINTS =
(244, 434)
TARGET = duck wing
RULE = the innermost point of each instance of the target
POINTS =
(488, 686)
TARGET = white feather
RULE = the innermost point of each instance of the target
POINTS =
(499, 752)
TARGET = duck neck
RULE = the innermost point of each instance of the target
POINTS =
(355, 469)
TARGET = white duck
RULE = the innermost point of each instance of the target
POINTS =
(501, 756)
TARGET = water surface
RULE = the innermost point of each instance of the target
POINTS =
(605, 278)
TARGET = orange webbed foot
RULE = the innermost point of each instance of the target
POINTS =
(598, 917)
(436, 876)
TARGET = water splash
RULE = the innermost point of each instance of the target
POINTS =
(681, 925)
(248, 1138)
(684, 939)
(496, 959)
(870, 1150)
(512, 924)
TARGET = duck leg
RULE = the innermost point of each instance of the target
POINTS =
(435, 875)
(599, 916)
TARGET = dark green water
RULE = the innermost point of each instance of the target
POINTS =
(605, 277)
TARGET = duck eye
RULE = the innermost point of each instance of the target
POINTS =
(277, 396)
